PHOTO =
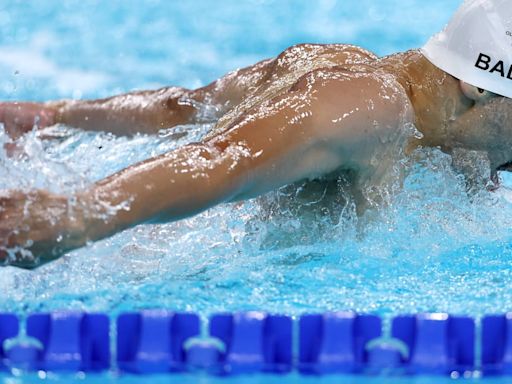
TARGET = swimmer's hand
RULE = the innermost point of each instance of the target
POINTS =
(37, 227)
(19, 118)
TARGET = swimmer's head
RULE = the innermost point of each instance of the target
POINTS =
(475, 103)
(476, 47)
(483, 124)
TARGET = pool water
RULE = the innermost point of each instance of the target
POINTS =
(441, 242)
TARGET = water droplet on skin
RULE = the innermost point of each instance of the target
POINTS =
(418, 135)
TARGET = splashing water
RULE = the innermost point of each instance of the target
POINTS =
(441, 243)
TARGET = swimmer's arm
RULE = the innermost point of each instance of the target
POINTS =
(150, 111)
(297, 135)
(126, 114)
(310, 130)
(137, 112)
(131, 113)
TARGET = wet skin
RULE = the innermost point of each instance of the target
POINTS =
(313, 111)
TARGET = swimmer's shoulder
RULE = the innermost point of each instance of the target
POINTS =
(339, 53)
(353, 106)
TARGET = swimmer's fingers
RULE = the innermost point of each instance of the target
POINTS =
(20, 229)
(20, 118)
(14, 149)
(35, 228)
(8, 119)
(14, 119)
(9, 222)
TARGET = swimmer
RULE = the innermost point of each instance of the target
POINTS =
(312, 111)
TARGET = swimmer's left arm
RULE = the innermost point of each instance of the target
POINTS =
(272, 145)
(305, 132)
(165, 188)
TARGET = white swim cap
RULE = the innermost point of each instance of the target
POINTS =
(476, 45)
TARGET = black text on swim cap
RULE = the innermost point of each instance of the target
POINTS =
(487, 63)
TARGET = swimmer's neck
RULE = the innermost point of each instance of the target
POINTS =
(447, 117)
(435, 96)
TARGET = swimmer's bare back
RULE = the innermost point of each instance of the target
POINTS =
(313, 110)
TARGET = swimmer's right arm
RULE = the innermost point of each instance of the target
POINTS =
(136, 112)
(126, 114)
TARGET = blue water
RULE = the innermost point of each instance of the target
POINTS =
(441, 243)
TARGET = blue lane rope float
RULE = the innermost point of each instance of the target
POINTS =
(497, 344)
(437, 343)
(152, 341)
(9, 328)
(66, 341)
(336, 342)
(254, 342)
